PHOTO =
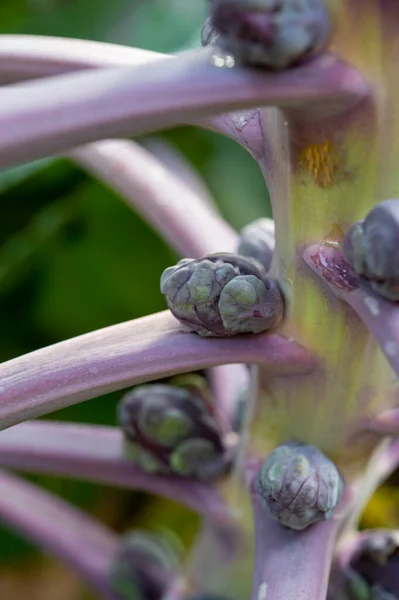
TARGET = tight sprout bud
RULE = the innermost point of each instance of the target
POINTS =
(371, 247)
(298, 485)
(373, 570)
(257, 241)
(222, 295)
(171, 429)
(275, 34)
(143, 566)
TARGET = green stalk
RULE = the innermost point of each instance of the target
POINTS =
(328, 170)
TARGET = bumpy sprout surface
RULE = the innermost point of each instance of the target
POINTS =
(257, 241)
(269, 33)
(142, 565)
(222, 295)
(298, 485)
(372, 248)
(170, 429)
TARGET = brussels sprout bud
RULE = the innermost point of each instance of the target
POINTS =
(142, 567)
(222, 295)
(270, 33)
(372, 248)
(298, 485)
(257, 241)
(373, 569)
(171, 429)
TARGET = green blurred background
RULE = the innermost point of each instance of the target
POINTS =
(71, 254)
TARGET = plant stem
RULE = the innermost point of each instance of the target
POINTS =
(291, 564)
(380, 316)
(96, 454)
(31, 56)
(65, 532)
(52, 115)
(170, 205)
(123, 355)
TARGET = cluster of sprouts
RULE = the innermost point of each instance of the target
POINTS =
(295, 320)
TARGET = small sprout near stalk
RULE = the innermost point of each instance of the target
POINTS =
(372, 249)
(222, 295)
(274, 34)
(171, 429)
(298, 485)
(257, 241)
(143, 566)
(373, 570)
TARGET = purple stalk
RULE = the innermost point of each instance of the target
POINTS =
(61, 530)
(171, 206)
(124, 355)
(183, 217)
(52, 115)
(176, 163)
(380, 316)
(291, 564)
(96, 454)
(386, 423)
(31, 56)
(227, 382)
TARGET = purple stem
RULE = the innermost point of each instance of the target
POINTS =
(387, 423)
(31, 56)
(95, 453)
(184, 218)
(171, 206)
(25, 57)
(380, 316)
(177, 163)
(291, 565)
(52, 115)
(227, 383)
(123, 355)
(63, 531)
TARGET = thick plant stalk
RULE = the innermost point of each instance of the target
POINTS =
(65, 532)
(52, 115)
(169, 205)
(306, 160)
(96, 453)
(123, 355)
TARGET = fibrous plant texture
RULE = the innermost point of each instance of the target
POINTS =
(295, 320)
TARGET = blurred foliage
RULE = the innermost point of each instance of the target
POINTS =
(74, 257)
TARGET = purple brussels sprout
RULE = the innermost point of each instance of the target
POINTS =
(257, 241)
(173, 430)
(371, 247)
(222, 295)
(298, 485)
(372, 573)
(143, 566)
(275, 34)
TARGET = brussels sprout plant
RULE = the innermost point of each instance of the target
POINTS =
(294, 320)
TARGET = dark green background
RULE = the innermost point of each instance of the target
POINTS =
(74, 258)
